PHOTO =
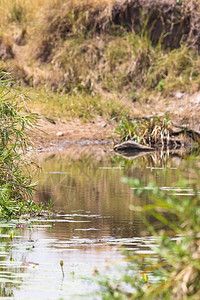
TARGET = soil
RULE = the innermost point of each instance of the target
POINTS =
(184, 110)
(51, 137)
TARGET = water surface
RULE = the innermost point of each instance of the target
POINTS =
(93, 217)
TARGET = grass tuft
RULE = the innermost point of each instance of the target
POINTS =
(151, 131)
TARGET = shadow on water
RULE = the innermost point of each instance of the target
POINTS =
(93, 216)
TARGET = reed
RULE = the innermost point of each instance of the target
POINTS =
(16, 186)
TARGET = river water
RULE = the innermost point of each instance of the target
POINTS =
(93, 217)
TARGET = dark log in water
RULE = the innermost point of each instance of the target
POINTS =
(130, 146)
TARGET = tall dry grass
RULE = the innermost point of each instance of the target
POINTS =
(74, 46)
(31, 8)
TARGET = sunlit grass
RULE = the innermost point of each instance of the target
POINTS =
(80, 105)
(11, 10)
(73, 45)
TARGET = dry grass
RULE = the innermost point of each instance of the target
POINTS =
(73, 47)
(9, 9)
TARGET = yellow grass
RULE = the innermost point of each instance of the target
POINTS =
(33, 7)
(64, 50)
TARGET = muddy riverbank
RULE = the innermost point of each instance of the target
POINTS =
(87, 64)
(183, 111)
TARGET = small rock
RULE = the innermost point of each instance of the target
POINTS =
(196, 100)
(60, 133)
(104, 125)
(179, 95)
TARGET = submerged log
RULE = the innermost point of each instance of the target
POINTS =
(132, 146)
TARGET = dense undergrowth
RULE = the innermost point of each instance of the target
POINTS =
(16, 187)
(95, 48)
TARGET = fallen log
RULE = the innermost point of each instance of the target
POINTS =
(132, 146)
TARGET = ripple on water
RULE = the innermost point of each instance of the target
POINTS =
(91, 223)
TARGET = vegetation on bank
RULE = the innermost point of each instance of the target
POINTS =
(157, 132)
(16, 186)
(71, 106)
(88, 50)
(147, 131)
(173, 272)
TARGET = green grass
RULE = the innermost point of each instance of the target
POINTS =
(80, 105)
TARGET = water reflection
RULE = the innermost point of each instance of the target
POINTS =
(92, 220)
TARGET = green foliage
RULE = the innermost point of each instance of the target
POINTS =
(145, 131)
(173, 272)
(77, 105)
(160, 85)
(16, 188)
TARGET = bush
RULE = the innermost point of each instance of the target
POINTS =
(16, 187)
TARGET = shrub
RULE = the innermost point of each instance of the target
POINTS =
(16, 187)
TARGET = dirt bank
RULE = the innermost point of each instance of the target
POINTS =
(144, 53)
(184, 110)
(61, 134)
